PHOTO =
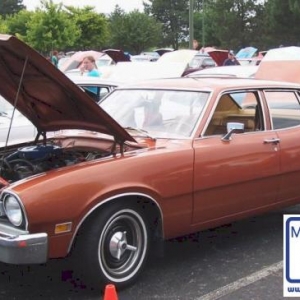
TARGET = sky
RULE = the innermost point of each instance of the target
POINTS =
(101, 6)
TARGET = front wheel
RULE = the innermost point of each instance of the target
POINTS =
(114, 247)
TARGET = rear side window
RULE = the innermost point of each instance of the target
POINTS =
(284, 108)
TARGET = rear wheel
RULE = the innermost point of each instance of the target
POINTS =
(114, 246)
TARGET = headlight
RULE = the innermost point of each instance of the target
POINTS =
(13, 210)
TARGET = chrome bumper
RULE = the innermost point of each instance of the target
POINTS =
(19, 247)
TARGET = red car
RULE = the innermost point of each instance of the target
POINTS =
(154, 161)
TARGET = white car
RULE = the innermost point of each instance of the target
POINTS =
(232, 71)
(103, 86)
(14, 127)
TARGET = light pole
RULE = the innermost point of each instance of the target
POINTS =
(191, 24)
(203, 23)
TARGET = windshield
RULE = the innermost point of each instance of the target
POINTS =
(201, 61)
(101, 62)
(161, 113)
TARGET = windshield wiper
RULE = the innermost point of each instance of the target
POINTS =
(143, 132)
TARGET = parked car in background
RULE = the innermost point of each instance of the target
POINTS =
(250, 56)
(75, 60)
(62, 61)
(235, 71)
(104, 86)
(116, 178)
(105, 61)
(179, 56)
(192, 59)
(254, 61)
(199, 62)
(162, 51)
(143, 58)
(153, 55)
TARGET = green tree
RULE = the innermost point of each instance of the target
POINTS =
(174, 17)
(133, 32)
(204, 30)
(93, 28)
(294, 5)
(117, 30)
(3, 25)
(17, 23)
(51, 28)
(10, 7)
(281, 23)
(234, 21)
(258, 28)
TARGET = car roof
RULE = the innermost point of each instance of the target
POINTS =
(237, 71)
(93, 80)
(209, 83)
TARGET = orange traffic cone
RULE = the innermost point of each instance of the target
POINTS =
(110, 292)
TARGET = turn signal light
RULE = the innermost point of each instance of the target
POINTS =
(63, 227)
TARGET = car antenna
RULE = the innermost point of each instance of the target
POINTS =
(16, 101)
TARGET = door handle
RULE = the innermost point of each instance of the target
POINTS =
(272, 141)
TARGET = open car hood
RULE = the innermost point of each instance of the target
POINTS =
(117, 55)
(162, 51)
(48, 98)
(218, 55)
(76, 59)
(178, 56)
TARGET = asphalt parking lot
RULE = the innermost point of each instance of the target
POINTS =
(242, 260)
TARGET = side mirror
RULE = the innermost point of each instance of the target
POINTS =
(233, 127)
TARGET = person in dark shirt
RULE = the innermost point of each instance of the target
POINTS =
(231, 60)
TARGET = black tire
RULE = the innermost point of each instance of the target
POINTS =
(114, 247)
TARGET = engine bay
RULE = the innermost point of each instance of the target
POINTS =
(34, 159)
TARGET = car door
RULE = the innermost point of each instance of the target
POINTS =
(284, 110)
(239, 175)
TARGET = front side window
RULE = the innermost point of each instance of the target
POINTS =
(164, 113)
(284, 108)
(236, 107)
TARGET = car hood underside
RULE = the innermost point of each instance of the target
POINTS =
(44, 95)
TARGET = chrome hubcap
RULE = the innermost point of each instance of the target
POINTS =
(118, 245)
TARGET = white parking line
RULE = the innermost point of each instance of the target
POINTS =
(234, 286)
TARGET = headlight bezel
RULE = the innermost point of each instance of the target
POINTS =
(20, 222)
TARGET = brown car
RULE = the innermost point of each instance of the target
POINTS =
(156, 160)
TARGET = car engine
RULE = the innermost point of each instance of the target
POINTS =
(30, 160)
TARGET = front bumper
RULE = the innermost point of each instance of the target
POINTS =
(20, 247)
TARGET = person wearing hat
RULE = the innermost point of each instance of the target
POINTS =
(231, 60)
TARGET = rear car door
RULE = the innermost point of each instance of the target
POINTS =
(284, 110)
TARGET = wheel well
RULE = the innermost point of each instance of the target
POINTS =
(147, 207)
